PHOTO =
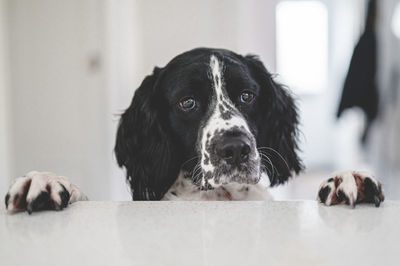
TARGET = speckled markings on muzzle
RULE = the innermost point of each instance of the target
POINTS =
(224, 117)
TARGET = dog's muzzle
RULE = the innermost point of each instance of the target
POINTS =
(234, 158)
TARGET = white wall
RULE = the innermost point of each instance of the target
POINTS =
(5, 160)
(323, 136)
(156, 31)
(58, 105)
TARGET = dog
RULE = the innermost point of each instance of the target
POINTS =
(210, 125)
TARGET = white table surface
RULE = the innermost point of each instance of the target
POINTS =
(203, 233)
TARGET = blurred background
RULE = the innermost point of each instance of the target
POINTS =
(69, 68)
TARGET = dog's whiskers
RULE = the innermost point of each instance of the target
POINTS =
(191, 159)
(280, 156)
(196, 172)
(266, 159)
(268, 167)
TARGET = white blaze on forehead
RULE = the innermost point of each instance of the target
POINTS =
(216, 73)
(216, 122)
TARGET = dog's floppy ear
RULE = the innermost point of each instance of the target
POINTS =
(143, 147)
(277, 125)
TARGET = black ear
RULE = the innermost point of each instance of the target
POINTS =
(277, 125)
(143, 146)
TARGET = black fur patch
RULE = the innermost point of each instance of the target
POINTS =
(208, 175)
(64, 195)
(226, 115)
(371, 192)
(341, 196)
(16, 198)
(206, 159)
(6, 199)
(323, 193)
(41, 202)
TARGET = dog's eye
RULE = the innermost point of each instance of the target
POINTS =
(246, 97)
(187, 104)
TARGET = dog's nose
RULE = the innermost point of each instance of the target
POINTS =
(234, 150)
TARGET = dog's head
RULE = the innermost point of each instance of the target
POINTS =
(214, 114)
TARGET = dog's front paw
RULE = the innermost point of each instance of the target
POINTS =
(351, 187)
(41, 191)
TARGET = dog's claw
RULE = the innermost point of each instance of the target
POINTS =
(352, 202)
(377, 201)
(57, 206)
(29, 209)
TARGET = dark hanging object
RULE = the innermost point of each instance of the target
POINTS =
(360, 87)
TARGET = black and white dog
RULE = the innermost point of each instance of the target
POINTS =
(210, 125)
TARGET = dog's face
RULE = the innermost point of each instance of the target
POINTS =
(212, 113)
(210, 110)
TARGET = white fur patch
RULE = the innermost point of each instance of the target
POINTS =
(184, 189)
(331, 185)
(216, 123)
(348, 186)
